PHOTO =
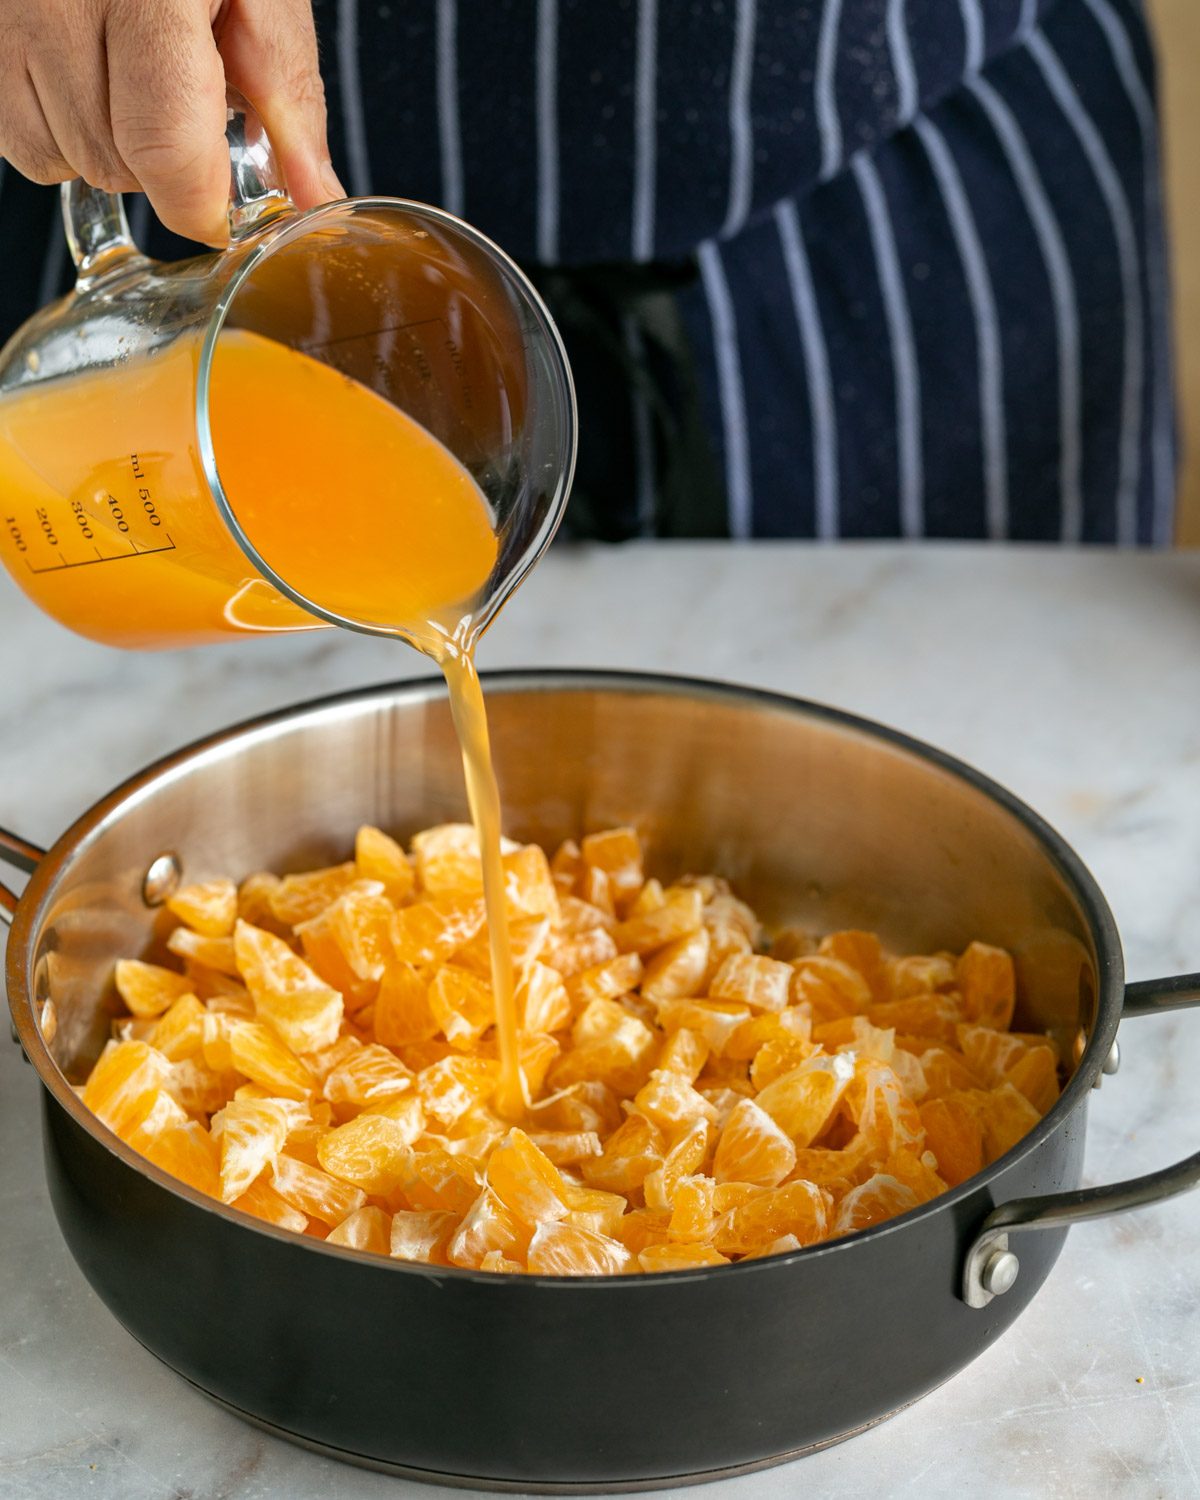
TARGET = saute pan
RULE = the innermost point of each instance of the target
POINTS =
(535, 1383)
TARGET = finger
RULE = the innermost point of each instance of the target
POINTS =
(70, 74)
(166, 91)
(270, 52)
(26, 140)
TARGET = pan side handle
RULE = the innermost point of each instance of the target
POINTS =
(991, 1267)
(21, 855)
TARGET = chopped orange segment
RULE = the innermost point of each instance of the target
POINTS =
(761, 983)
(920, 974)
(123, 1084)
(261, 1200)
(606, 980)
(432, 931)
(378, 857)
(299, 898)
(565, 1250)
(313, 1191)
(368, 1228)
(988, 984)
(685, 1053)
(572, 955)
(830, 986)
(567, 1148)
(802, 1101)
(370, 1152)
(634, 1149)
(678, 916)
(368, 1075)
(402, 1010)
(179, 1032)
(258, 1051)
(863, 952)
(542, 1001)
(753, 1148)
(714, 1020)
(422, 1235)
(618, 852)
(462, 1005)
(148, 989)
(680, 1257)
(1035, 1075)
(252, 1133)
(487, 1225)
(209, 908)
(798, 1208)
(1007, 1117)
(880, 1197)
(526, 1180)
(691, 1219)
(212, 952)
(302, 1008)
(679, 969)
(955, 1136)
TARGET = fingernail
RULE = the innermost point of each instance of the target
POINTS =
(329, 181)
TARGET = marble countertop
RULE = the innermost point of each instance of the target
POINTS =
(1071, 677)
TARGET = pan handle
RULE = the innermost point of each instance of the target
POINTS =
(22, 855)
(991, 1266)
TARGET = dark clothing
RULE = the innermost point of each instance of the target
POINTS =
(835, 268)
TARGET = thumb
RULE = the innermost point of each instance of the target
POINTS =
(269, 48)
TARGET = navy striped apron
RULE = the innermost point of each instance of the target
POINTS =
(843, 268)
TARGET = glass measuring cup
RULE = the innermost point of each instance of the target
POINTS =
(167, 477)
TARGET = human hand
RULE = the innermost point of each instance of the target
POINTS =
(130, 94)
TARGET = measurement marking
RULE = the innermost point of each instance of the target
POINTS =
(370, 333)
(91, 562)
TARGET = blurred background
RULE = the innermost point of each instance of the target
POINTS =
(1178, 24)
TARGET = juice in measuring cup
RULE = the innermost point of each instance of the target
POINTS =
(359, 508)
(109, 526)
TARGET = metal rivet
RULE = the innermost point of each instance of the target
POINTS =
(1113, 1061)
(161, 879)
(999, 1272)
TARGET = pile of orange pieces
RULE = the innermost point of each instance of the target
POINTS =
(322, 1056)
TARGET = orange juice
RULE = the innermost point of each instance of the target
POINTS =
(110, 527)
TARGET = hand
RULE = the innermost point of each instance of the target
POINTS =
(130, 94)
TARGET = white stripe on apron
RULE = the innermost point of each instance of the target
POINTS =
(449, 132)
(825, 87)
(972, 35)
(1118, 207)
(987, 327)
(353, 120)
(1162, 440)
(547, 131)
(902, 62)
(1062, 291)
(741, 131)
(645, 131)
(733, 396)
(816, 364)
(904, 350)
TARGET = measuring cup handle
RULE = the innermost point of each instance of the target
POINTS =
(98, 232)
(96, 229)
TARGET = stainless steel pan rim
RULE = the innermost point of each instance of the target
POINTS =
(28, 911)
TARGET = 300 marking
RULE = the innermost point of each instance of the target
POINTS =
(81, 518)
